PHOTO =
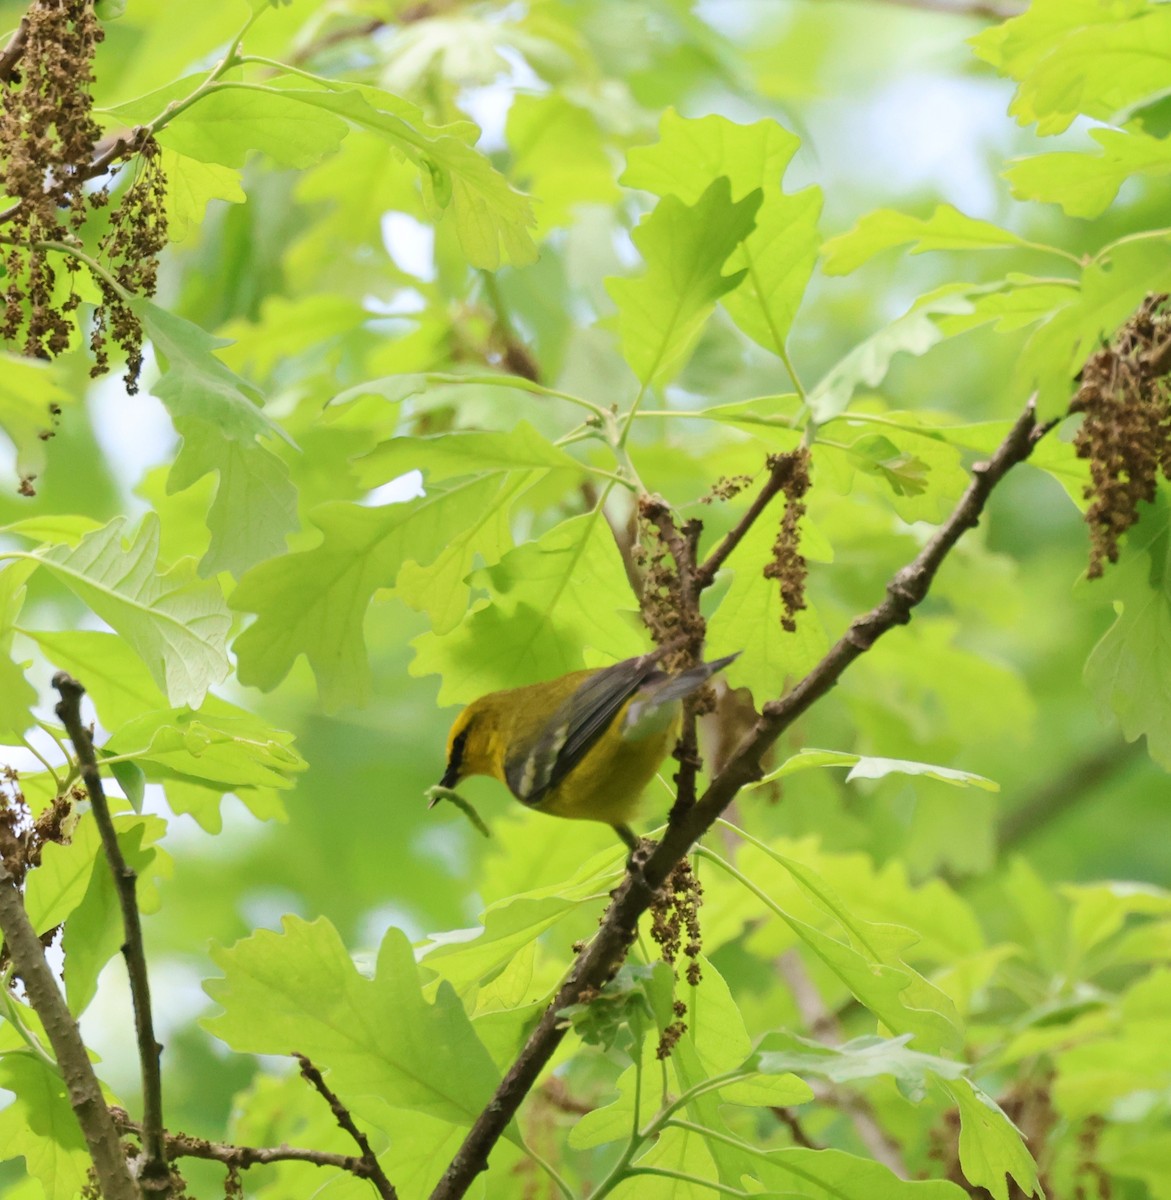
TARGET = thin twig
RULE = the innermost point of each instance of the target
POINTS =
(155, 1174)
(789, 1119)
(12, 53)
(602, 957)
(186, 1145)
(84, 1091)
(341, 1114)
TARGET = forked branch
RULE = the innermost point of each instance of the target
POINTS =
(601, 958)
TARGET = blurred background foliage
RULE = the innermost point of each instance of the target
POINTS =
(330, 274)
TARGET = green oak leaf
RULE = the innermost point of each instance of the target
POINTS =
(992, 1149)
(1080, 57)
(779, 253)
(748, 619)
(31, 393)
(550, 599)
(860, 1058)
(1085, 184)
(314, 602)
(232, 118)
(40, 1127)
(176, 624)
(867, 767)
(946, 229)
(662, 311)
(298, 991)
(17, 695)
(191, 186)
(1126, 670)
(462, 452)
(492, 219)
(225, 749)
(218, 415)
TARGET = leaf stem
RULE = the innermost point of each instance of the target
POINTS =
(43, 761)
(724, 1189)
(548, 1168)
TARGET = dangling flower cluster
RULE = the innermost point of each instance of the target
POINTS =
(47, 141)
(675, 912)
(1126, 433)
(668, 613)
(136, 237)
(47, 135)
(787, 564)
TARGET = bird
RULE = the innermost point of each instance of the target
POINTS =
(582, 746)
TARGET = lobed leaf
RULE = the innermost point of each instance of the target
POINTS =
(661, 312)
(177, 625)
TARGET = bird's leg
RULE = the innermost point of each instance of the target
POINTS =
(640, 848)
(627, 835)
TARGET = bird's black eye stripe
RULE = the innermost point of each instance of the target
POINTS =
(455, 760)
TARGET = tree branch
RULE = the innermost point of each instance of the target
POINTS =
(186, 1145)
(341, 1114)
(84, 1091)
(12, 53)
(601, 958)
(155, 1174)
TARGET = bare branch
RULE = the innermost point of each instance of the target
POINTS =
(186, 1145)
(84, 1091)
(155, 1173)
(341, 1114)
(602, 957)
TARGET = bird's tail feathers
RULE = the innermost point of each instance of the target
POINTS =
(652, 708)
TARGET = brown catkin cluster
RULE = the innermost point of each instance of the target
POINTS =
(47, 143)
(787, 564)
(1126, 434)
(669, 614)
(726, 487)
(674, 917)
(136, 237)
(23, 836)
(47, 136)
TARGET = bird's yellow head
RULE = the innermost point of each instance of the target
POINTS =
(472, 744)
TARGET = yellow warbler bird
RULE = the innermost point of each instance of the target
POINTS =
(582, 746)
